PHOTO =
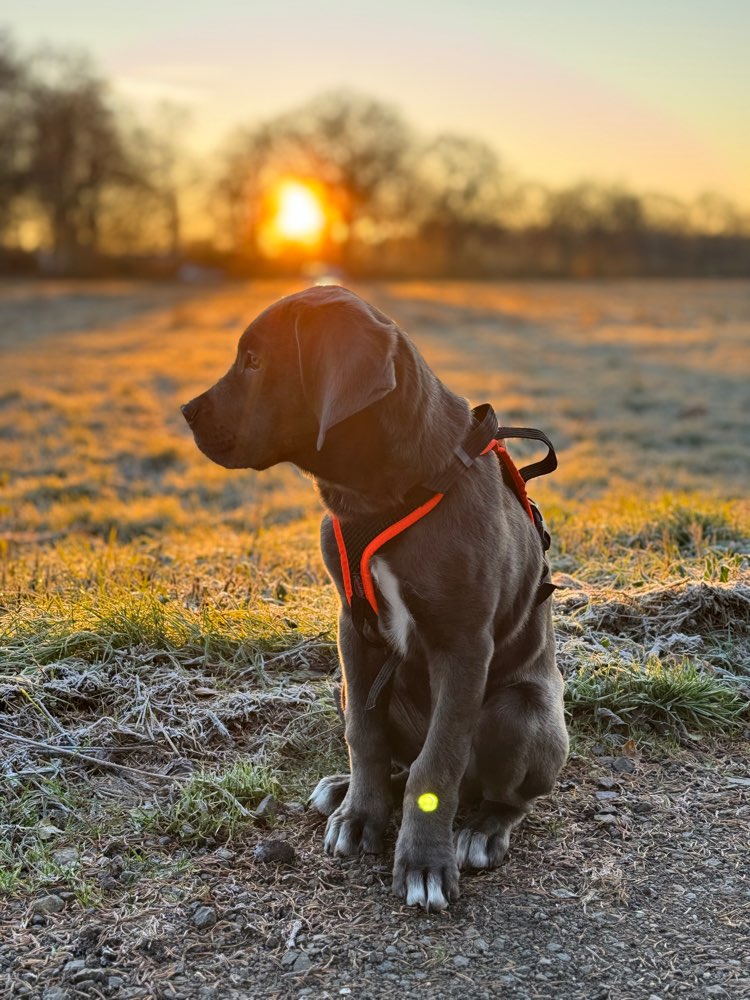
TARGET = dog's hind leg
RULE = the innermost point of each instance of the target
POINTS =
(519, 749)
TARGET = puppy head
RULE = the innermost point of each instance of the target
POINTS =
(306, 364)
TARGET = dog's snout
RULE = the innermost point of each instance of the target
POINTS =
(190, 410)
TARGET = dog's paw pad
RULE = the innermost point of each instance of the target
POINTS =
(329, 793)
(475, 849)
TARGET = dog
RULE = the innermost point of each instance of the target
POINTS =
(474, 713)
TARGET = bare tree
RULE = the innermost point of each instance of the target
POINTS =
(78, 153)
(14, 137)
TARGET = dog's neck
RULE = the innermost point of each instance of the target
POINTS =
(369, 463)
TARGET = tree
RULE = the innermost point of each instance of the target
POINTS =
(13, 132)
(78, 153)
(357, 148)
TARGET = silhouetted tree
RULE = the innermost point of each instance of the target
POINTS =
(78, 153)
(14, 137)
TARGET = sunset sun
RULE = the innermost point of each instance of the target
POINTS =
(300, 216)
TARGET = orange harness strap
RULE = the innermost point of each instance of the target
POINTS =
(365, 574)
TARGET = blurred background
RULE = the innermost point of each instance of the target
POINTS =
(425, 140)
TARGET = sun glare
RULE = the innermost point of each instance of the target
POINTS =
(300, 217)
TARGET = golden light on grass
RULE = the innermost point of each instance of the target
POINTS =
(296, 217)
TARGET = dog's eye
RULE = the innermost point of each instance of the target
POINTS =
(252, 362)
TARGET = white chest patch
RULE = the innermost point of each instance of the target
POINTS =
(395, 621)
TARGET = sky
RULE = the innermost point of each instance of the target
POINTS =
(652, 95)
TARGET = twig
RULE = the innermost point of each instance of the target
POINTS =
(65, 752)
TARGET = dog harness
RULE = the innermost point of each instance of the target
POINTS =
(358, 539)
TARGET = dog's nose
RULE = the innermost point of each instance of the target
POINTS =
(190, 410)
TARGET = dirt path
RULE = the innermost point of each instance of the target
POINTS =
(628, 884)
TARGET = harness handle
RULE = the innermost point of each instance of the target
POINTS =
(540, 468)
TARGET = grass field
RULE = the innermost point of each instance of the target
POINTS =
(168, 643)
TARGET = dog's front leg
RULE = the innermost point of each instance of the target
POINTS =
(357, 826)
(425, 870)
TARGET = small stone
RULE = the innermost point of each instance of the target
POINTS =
(606, 818)
(277, 851)
(391, 949)
(345, 992)
(115, 982)
(607, 807)
(204, 916)
(563, 894)
(222, 854)
(460, 961)
(48, 904)
(605, 796)
(715, 991)
(302, 963)
(296, 808)
(554, 946)
(267, 809)
(289, 958)
(606, 781)
(624, 765)
(55, 993)
(73, 966)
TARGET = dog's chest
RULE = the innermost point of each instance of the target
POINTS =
(395, 622)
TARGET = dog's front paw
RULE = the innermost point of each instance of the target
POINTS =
(426, 877)
(351, 830)
(329, 793)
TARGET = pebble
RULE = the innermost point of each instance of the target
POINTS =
(605, 818)
(267, 809)
(275, 851)
(204, 916)
(289, 958)
(55, 993)
(624, 765)
(606, 781)
(302, 964)
(48, 904)
(460, 961)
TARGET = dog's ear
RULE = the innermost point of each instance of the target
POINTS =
(346, 354)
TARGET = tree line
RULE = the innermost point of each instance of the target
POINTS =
(86, 187)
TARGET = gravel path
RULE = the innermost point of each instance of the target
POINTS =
(631, 883)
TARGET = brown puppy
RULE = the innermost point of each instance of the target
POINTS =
(326, 381)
